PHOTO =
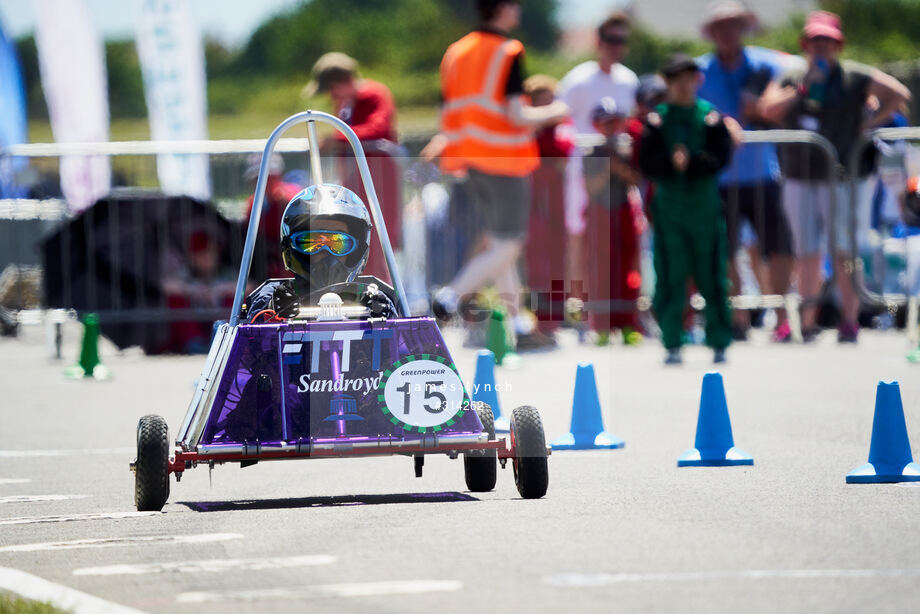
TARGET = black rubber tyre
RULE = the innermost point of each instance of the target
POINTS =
(151, 469)
(480, 467)
(531, 471)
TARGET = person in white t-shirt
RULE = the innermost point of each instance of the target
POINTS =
(582, 89)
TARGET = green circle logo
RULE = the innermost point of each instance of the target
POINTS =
(422, 394)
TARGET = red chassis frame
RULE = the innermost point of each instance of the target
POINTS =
(183, 460)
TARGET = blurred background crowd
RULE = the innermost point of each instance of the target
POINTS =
(837, 68)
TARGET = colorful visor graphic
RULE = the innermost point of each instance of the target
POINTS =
(313, 241)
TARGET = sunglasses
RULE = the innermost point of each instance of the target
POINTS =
(313, 241)
(614, 40)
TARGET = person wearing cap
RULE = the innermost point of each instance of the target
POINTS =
(367, 106)
(830, 97)
(487, 132)
(684, 146)
(582, 88)
(545, 252)
(611, 238)
(266, 262)
(735, 76)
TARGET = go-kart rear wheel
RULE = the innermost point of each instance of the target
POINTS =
(480, 467)
(151, 469)
(531, 471)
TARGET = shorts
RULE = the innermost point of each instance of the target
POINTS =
(502, 203)
(807, 205)
(759, 204)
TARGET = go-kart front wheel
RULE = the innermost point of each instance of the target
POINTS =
(531, 470)
(480, 467)
(151, 469)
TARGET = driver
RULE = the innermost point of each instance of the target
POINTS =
(325, 239)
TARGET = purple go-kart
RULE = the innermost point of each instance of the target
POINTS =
(334, 381)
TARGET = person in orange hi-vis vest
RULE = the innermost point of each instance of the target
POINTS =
(487, 131)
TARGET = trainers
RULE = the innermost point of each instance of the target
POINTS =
(810, 334)
(444, 304)
(673, 357)
(782, 333)
(535, 340)
(739, 332)
(718, 356)
(847, 333)
(631, 336)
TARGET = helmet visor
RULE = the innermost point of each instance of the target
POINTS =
(311, 242)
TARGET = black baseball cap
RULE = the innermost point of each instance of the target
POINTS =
(651, 88)
(678, 63)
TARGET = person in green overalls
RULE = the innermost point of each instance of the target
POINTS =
(684, 144)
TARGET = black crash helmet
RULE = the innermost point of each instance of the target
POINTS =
(307, 212)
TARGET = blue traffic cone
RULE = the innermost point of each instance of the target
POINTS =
(890, 459)
(484, 388)
(587, 428)
(714, 446)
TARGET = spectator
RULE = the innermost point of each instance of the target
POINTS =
(684, 146)
(368, 108)
(830, 98)
(612, 237)
(278, 193)
(735, 77)
(487, 130)
(650, 93)
(195, 281)
(582, 88)
(910, 213)
(546, 244)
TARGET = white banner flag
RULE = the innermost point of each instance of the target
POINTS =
(72, 62)
(171, 53)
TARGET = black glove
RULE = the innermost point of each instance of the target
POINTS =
(272, 300)
(378, 303)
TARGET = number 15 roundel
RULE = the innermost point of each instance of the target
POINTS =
(422, 393)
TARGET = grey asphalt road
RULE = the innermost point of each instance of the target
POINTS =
(622, 530)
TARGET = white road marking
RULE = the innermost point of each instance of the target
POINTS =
(123, 541)
(361, 589)
(5, 481)
(37, 589)
(606, 579)
(71, 517)
(208, 566)
(36, 498)
(34, 453)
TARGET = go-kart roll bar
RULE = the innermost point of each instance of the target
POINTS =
(255, 216)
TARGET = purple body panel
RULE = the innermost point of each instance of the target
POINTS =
(329, 377)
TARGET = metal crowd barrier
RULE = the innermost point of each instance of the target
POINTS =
(883, 135)
(114, 257)
(791, 301)
(439, 230)
(903, 298)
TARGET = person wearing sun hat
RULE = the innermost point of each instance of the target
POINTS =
(735, 76)
(830, 97)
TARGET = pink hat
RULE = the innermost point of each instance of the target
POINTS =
(822, 23)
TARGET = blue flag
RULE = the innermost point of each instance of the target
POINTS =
(12, 117)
